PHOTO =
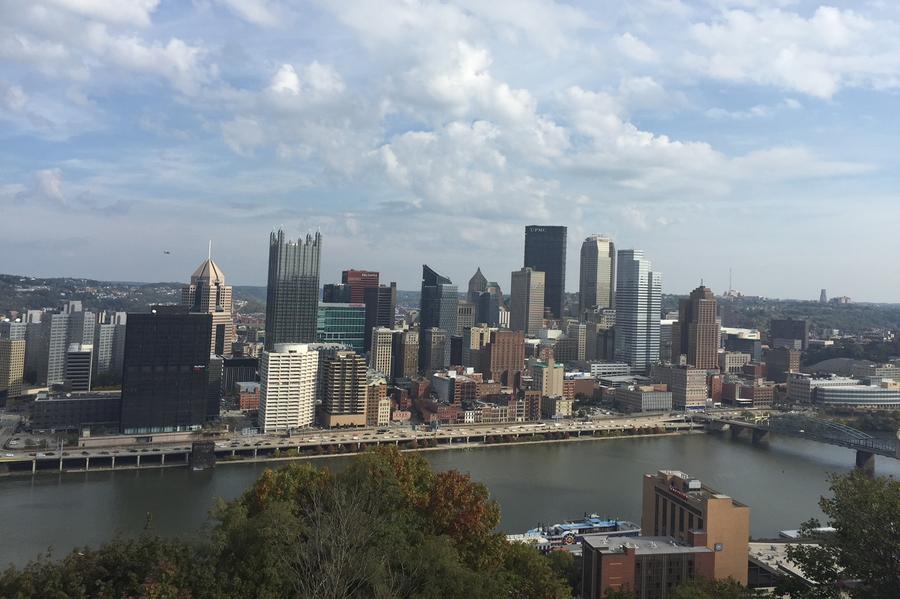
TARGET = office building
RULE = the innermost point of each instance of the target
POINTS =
(695, 335)
(165, 383)
(433, 347)
(342, 323)
(12, 367)
(292, 292)
(378, 406)
(405, 354)
(487, 310)
(545, 251)
(79, 367)
(503, 359)
(381, 306)
(597, 274)
(247, 395)
(666, 331)
(13, 329)
(465, 316)
(644, 398)
(438, 310)
(732, 362)
(526, 303)
(679, 506)
(207, 292)
(70, 325)
(638, 305)
(477, 285)
(359, 281)
(548, 378)
(802, 388)
(789, 332)
(556, 406)
(380, 350)
(650, 567)
(238, 370)
(474, 341)
(287, 389)
(781, 361)
(336, 293)
(344, 399)
(875, 372)
(96, 413)
(104, 345)
(687, 384)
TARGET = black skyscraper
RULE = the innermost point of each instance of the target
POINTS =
(545, 250)
(165, 383)
(381, 306)
(438, 307)
(292, 296)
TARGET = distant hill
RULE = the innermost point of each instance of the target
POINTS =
(19, 292)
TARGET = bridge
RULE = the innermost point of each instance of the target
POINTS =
(813, 429)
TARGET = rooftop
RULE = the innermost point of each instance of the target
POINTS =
(641, 545)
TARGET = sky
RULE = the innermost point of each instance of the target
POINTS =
(755, 135)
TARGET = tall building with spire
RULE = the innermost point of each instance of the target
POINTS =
(477, 286)
(208, 293)
(695, 335)
(292, 294)
(638, 305)
(597, 274)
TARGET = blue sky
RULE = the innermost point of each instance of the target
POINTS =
(753, 134)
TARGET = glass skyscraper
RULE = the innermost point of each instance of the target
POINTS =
(438, 307)
(342, 323)
(545, 251)
(292, 296)
(638, 305)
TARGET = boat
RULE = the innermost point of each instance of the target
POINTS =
(571, 532)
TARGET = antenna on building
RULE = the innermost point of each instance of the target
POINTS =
(209, 252)
(730, 281)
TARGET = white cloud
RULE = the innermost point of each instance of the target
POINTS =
(127, 12)
(258, 12)
(635, 48)
(757, 111)
(817, 56)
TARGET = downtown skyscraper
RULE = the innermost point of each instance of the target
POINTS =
(695, 335)
(638, 305)
(292, 295)
(545, 251)
(597, 274)
(438, 308)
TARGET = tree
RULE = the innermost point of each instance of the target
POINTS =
(386, 526)
(864, 550)
(705, 588)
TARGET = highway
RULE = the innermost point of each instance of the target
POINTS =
(253, 446)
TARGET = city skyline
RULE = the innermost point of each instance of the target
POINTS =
(179, 113)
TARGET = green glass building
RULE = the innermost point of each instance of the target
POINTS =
(342, 323)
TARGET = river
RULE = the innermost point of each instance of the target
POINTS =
(781, 481)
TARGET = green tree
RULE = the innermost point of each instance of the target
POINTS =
(386, 526)
(864, 549)
(704, 588)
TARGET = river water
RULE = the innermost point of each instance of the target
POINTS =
(781, 481)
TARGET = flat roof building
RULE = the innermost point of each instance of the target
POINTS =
(650, 567)
(680, 506)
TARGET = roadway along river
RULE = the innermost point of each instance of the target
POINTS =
(781, 482)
